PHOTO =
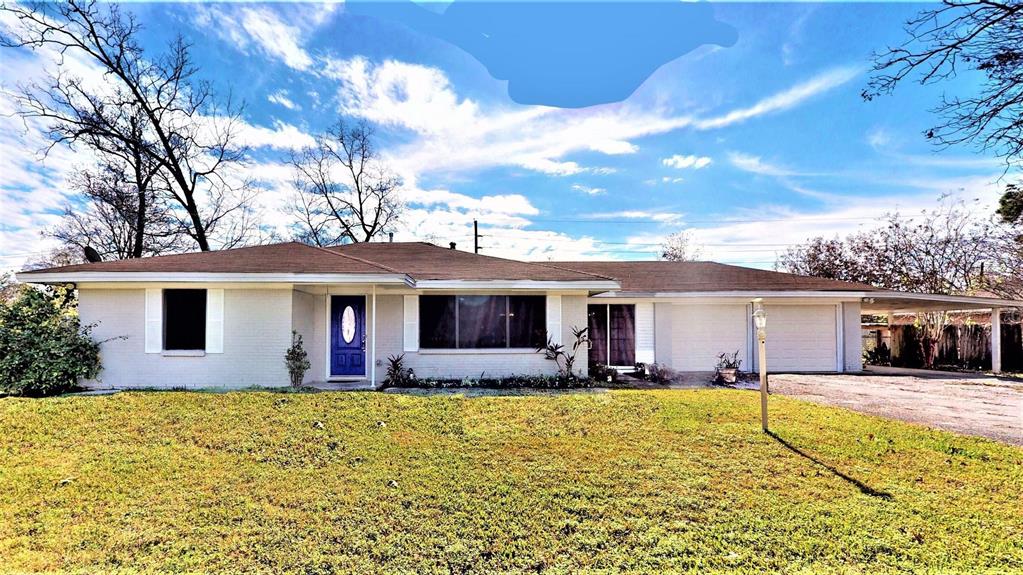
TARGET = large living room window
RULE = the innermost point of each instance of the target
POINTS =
(481, 321)
(184, 319)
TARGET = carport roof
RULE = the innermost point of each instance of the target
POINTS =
(900, 302)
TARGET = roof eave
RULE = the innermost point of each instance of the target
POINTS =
(748, 294)
(211, 277)
(588, 285)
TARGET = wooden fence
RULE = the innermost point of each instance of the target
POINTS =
(963, 346)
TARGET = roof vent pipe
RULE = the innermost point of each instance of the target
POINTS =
(451, 245)
(390, 237)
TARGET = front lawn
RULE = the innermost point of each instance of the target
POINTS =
(368, 482)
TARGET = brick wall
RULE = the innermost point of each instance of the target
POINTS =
(257, 332)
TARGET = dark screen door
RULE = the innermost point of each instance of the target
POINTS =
(612, 334)
(347, 335)
(622, 326)
(597, 322)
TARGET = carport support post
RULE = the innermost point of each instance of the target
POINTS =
(996, 340)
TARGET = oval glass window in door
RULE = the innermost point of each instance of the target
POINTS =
(348, 324)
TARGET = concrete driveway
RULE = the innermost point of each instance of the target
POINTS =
(975, 405)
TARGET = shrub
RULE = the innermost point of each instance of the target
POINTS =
(44, 349)
(660, 373)
(564, 359)
(880, 355)
(397, 374)
(297, 360)
(601, 374)
(538, 381)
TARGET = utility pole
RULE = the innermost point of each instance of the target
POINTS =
(475, 237)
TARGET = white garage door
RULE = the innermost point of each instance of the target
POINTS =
(702, 332)
(801, 338)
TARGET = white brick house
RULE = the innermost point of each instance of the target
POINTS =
(224, 319)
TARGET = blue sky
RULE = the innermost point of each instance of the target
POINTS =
(753, 147)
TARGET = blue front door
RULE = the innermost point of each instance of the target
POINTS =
(347, 335)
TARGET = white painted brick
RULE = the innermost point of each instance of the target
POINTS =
(257, 332)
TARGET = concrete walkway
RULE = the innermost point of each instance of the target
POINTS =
(972, 404)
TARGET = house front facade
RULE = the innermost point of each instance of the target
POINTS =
(225, 319)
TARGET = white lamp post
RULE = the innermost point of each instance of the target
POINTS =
(760, 321)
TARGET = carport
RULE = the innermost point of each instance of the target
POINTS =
(898, 303)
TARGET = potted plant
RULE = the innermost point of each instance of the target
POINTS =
(728, 367)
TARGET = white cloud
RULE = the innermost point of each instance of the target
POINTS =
(755, 165)
(756, 235)
(588, 190)
(685, 162)
(280, 97)
(456, 134)
(784, 100)
(268, 30)
(670, 180)
(281, 136)
(879, 138)
(653, 216)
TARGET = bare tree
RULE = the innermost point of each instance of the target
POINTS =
(984, 36)
(944, 251)
(124, 216)
(680, 247)
(1005, 276)
(150, 106)
(345, 194)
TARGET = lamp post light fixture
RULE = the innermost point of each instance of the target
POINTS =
(760, 321)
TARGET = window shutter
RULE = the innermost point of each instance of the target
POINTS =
(554, 318)
(154, 320)
(411, 335)
(214, 321)
(645, 333)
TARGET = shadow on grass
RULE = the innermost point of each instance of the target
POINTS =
(863, 487)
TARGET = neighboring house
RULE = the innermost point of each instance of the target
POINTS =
(225, 318)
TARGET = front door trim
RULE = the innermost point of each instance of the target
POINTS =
(328, 320)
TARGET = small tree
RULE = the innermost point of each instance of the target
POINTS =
(297, 360)
(44, 349)
(680, 247)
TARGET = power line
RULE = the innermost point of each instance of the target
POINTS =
(680, 220)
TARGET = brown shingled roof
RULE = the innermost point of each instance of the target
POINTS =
(291, 257)
(425, 261)
(421, 261)
(662, 276)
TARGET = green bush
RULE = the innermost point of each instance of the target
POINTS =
(397, 374)
(44, 349)
(297, 360)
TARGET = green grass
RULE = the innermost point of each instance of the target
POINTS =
(365, 482)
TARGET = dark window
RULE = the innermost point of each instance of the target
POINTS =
(184, 319)
(482, 321)
(475, 322)
(437, 321)
(527, 319)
